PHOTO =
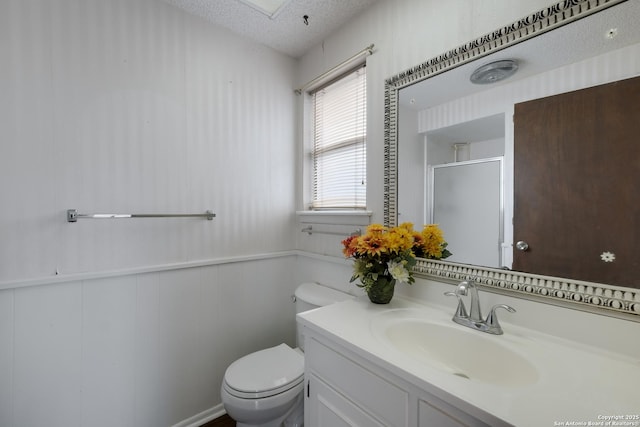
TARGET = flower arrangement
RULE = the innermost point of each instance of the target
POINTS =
(389, 253)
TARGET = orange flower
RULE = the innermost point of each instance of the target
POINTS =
(418, 240)
(390, 252)
(350, 246)
(371, 244)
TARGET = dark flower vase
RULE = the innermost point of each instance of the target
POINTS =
(382, 291)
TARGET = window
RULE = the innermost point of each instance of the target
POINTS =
(339, 143)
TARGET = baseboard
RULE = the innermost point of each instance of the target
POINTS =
(203, 417)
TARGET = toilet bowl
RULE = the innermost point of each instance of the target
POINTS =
(265, 388)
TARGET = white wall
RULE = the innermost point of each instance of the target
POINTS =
(135, 106)
(412, 177)
(407, 33)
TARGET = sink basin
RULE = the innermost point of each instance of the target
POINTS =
(467, 354)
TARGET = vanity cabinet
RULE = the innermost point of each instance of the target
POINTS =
(345, 389)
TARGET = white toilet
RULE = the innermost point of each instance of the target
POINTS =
(265, 388)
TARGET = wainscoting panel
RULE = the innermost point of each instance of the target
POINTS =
(6, 356)
(137, 350)
(48, 349)
(108, 351)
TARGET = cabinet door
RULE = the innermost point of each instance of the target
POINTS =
(328, 408)
(383, 399)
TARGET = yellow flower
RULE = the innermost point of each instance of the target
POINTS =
(399, 239)
(432, 240)
(376, 229)
(407, 226)
(384, 253)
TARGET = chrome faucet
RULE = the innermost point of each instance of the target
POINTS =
(474, 319)
(468, 287)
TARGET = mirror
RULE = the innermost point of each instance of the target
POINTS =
(435, 116)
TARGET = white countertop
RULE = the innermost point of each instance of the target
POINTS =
(576, 384)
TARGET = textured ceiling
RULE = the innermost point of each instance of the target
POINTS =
(286, 32)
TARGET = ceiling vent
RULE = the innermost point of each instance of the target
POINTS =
(271, 8)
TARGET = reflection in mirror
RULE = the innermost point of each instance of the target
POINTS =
(466, 201)
(437, 121)
(463, 168)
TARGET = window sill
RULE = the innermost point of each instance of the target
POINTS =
(334, 217)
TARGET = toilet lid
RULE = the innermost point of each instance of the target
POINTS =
(272, 370)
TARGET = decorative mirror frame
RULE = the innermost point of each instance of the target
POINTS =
(599, 298)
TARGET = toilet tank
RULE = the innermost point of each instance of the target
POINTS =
(314, 295)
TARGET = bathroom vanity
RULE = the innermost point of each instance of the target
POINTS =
(408, 364)
(344, 389)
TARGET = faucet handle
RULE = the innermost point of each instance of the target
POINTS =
(461, 311)
(492, 318)
(464, 286)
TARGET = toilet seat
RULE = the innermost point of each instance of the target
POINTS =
(265, 373)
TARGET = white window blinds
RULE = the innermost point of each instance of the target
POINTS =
(339, 149)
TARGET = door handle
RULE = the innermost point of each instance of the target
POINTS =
(522, 246)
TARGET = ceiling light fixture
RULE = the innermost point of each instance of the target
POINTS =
(494, 72)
